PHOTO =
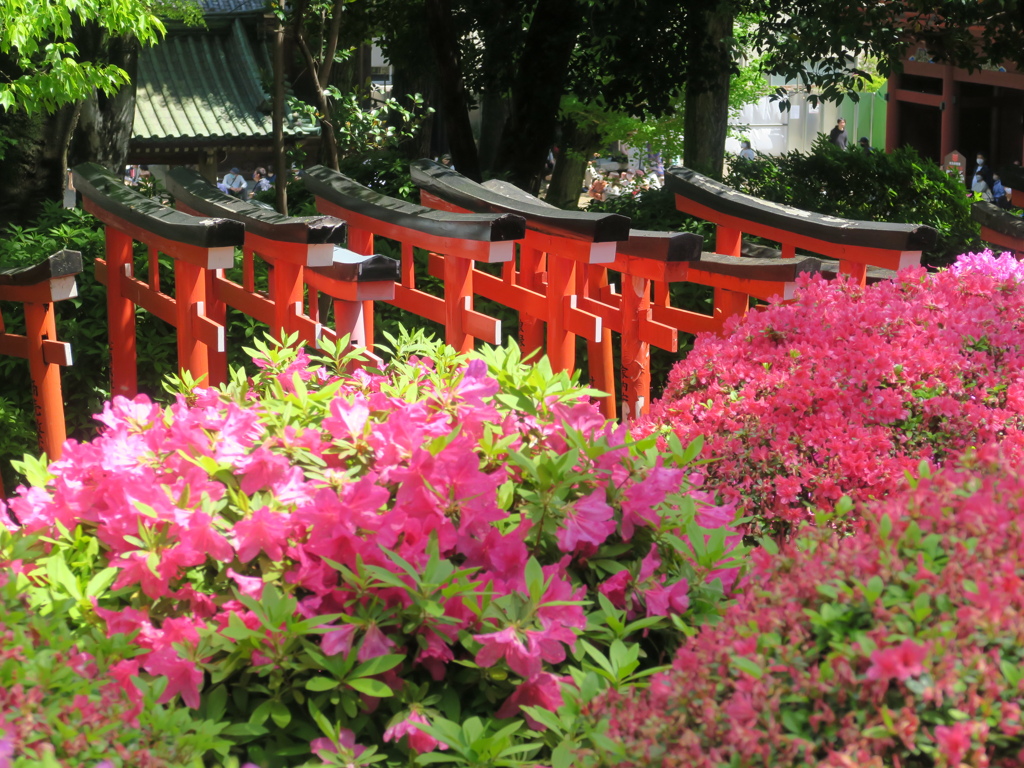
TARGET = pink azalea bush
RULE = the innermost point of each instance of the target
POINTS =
(63, 701)
(899, 645)
(350, 566)
(844, 390)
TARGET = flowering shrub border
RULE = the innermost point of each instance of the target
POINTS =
(359, 565)
(901, 644)
(844, 390)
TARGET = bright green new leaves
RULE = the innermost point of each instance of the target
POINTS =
(40, 65)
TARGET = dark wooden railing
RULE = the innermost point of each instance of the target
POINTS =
(1000, 227)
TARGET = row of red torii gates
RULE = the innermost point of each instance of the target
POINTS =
(556, 269)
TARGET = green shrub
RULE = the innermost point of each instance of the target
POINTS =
(68, 698)
(900, 645)
(898, 186)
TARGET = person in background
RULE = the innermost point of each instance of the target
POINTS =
(999, 196)
(981, 187)
(838, 135)
(262, 182)
(983, 169)
(865, 144)
(446, 161)
(746, 152)
(235, 183)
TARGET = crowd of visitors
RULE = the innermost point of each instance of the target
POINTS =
(603, 185)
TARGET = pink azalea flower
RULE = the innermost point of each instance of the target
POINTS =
(264, 531)
(347, 420)
(261, 469)
(587, 520)
(505, 644)
(899, 661)
(542, 690)
(662, 600)
(338, 641)
(183, 676)
(614, 588)
(954, 741)
(202, 537)
(250, 586)
(375, 643)
(419, 740)
(322, 747)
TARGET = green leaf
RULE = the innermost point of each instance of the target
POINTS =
(378, 665)
(562, 756)
(322, 684)
(743, 664)
(370, 687)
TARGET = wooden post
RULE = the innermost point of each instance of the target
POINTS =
(287, 292)
(728, 241)
(361, 241)
(121, 313)
(729, 303)
(46, 393)
(216, 310)
(892, 114)
(600, 355)
(636, 354)
(856, 270)
(189, 295)
(561, 345)
(458, 295)
(349, 315)
(531, 329)
(947, 131)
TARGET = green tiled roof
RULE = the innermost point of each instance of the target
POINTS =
(204, 86)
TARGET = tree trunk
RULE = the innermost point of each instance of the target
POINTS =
(537, 92)
(329, 141)
(407, 81)
(578, 144)
(706, 120)
(281, 170)
(454, 100)
(105, 123)
(34, 166)
(494, 114)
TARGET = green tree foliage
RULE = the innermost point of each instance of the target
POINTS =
(823, 44)
(40, 64)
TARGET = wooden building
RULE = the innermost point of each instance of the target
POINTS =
(203, 94)
(937, 108)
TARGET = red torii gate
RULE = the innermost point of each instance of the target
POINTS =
(855, 244)
(463, 239)
(37, 287)
(557, 251)
(302, 252)
(194, 244)
(201, 248)
(645, 259)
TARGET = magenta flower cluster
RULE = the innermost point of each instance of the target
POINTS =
(901, 644)
(844, 390)
(422, 529)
